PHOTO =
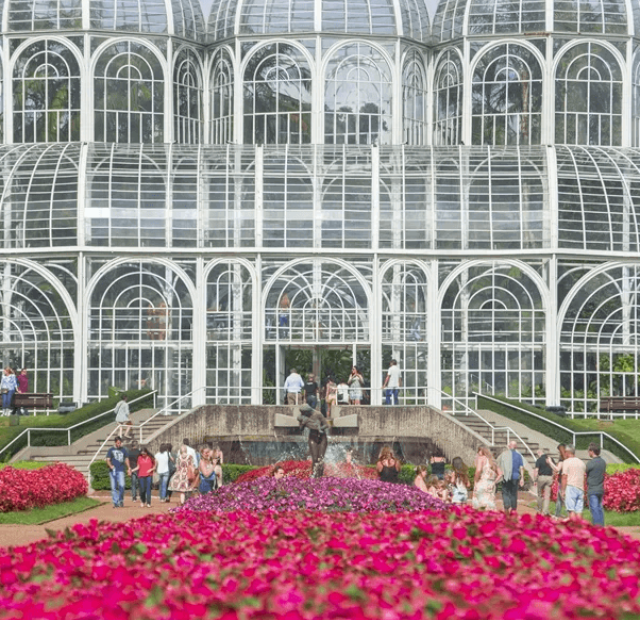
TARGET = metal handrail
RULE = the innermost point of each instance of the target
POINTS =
(140, 426)
(493, 428)
(28, 431)
(573, 434)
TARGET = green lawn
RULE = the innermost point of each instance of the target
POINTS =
(625, 431)
(25, 465)
(38, 516)
(616, 519)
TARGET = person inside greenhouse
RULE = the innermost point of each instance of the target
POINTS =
(317, 425)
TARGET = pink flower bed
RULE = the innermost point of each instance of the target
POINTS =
(458, 564)
(22, 489)
(621, 491)
(325, 494)
(302, 469)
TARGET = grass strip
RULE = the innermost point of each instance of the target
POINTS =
(26, 464)
(615, 519)
(38, 516)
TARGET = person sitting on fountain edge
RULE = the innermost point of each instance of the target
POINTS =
(317, 426)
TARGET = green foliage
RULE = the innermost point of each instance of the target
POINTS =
(46, 438)
(614, 468)
(627, 434)
(231, 472)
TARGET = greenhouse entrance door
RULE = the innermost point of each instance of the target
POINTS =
(321, 360)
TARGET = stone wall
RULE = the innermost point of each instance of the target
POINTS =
(227, 423)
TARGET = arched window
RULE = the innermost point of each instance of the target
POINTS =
(588, 97)
(636, 102)
(277, 97)
(493, 334)
(187, 97)
(448, 100)
(222, 98)
(507, 97)
(358, 97)
(414, 99)
(46, 94)
(129, 95)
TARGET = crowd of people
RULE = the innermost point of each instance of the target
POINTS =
(12, 383)
(345, 391)
(185, 472)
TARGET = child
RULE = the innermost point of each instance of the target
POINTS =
(432, 486)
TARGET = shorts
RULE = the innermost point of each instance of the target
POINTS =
(574, 499)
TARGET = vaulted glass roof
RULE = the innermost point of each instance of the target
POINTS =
(182, 18)
(407, 18)
(456, 18)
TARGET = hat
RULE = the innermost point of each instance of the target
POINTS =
(306, 408)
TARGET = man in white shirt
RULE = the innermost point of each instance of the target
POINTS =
(392, 383)
(293, 388)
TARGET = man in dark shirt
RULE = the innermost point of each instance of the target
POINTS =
(311, 392)
(117, 459)
(134, 453)
(596, 469)
(543, 476)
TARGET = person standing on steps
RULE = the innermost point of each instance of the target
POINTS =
(596, 469)
(392, 383)
(317, 425)
(511, 472)
(293, 388)
(117, 459)
(123, 416)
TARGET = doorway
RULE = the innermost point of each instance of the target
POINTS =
(320, 360)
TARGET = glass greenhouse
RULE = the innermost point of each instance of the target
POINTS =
(190, 205)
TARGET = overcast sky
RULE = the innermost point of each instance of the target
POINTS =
(206, 6)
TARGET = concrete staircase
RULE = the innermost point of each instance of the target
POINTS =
(80, 453)
(501, 437)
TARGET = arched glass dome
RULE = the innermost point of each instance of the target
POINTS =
(407, 18)
(455, 18)
(182, 18)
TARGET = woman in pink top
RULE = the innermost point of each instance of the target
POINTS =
(23, 382)
(146, 467)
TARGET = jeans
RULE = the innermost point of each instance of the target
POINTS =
(6, 399)
(312, 401)
(117, 486)
(597, 512)
(510, 494)
(145, 489)
(391, 392)
(164, 482)
(134, 486)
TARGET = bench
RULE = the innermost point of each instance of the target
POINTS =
(610, 404)
(35, 400)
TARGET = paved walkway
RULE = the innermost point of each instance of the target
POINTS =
(25, 534)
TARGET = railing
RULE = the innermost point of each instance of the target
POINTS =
(469, 411)
(68, 430)
(573, 434)
(116, 431)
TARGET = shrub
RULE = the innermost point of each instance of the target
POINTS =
(458, 563)
(24, 489)
(326, 494)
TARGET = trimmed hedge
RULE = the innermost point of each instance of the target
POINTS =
(507, 409)
(45, 438)
(100, 474)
